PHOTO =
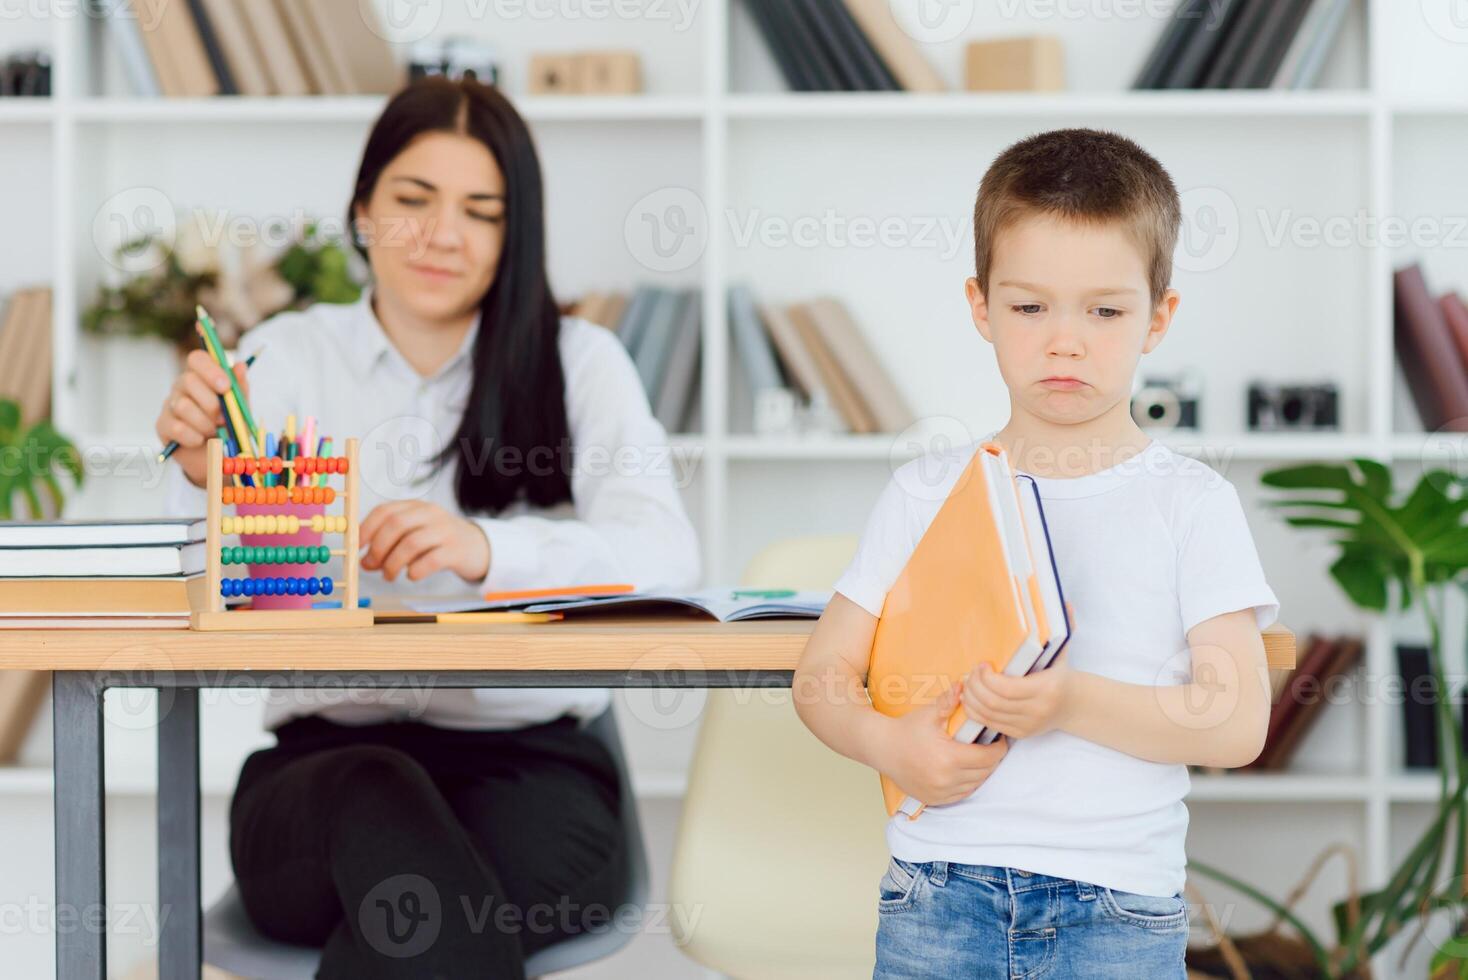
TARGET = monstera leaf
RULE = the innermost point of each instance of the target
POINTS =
(1420, 542)
(32, 455)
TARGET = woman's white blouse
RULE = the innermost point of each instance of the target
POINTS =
(626, 524)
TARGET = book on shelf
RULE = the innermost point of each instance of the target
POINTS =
(1432, 348)
(1305, 696)
(1243, 44)
(1419, 707)
(842, 46)
(662, 330)
(201, 48)
(25, 353)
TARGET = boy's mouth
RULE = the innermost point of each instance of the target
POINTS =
(1063, 384)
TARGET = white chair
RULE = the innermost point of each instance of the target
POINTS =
(232, 943)
(780, 845)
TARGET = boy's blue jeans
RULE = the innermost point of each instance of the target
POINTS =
(981, 921)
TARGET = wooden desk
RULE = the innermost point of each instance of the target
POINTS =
(610, 651)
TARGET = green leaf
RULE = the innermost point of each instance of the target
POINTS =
(1363, 579)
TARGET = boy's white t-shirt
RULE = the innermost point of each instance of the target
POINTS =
(1147, 549)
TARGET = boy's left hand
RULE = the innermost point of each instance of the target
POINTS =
(1019, 706)
(420, 538)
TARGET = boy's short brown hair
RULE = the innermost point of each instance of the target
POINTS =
(1083, 175)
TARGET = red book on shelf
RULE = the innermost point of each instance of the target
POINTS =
(1435, 373)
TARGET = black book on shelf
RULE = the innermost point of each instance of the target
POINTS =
(846, 37)
(795, 19)
(1419, 707)
(799, 76)
(1185, 19)
(1236, 44)
(1203, 45)
(1268, 49)
(212, 48)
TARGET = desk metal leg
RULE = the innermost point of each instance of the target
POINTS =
(81, 910)
(180, 945)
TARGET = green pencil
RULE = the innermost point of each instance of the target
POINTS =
(216, 349)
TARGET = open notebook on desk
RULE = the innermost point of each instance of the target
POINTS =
(727, 605)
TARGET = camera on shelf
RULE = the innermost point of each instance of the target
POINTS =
(1277, 407)
(454, 57)
(1167, 402)
(26, 73)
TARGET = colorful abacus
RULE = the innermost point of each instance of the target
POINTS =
(210, 613)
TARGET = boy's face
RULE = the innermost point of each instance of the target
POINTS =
(1068, 300)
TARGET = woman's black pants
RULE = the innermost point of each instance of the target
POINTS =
(407, 850)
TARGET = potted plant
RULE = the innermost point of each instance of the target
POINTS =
(32, 459)
(1393, 554)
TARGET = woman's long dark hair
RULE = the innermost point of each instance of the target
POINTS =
(516, 413)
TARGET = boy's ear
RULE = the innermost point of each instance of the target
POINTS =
(979, 306)
(1161, 319)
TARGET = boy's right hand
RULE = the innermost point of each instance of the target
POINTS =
(191, 413)
(929, 764)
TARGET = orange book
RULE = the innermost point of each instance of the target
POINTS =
(981, 586)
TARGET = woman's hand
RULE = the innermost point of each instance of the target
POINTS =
(1019, 706)
(422, 538)
(191, 413)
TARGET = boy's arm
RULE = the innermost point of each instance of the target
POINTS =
(829, 686)
(1219, 718)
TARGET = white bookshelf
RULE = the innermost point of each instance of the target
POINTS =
(1384, 136)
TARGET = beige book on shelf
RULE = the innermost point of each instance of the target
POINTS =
(186, 47)
(895, 46)
(239, 48)
(333, 49)
(274, 44)
(14, 341)
(21, 695)
(369, 58)
(800, 364)
(302, 43)
(155, 42)
(25, 354)
(873, 384)
(35, 389)
(838, 386)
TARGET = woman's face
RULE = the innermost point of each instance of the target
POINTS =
(435, 225)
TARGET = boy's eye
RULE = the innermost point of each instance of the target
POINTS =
(1107, 312)
(1029, 309)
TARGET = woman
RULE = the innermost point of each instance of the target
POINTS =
(503, 446)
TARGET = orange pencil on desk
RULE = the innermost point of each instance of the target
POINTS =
(615, 589)
(498, 617)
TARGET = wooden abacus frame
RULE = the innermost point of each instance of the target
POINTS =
(205, 596)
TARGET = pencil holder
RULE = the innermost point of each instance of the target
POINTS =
(288, 535)
(306, 542)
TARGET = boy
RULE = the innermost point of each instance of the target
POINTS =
(1058, 850)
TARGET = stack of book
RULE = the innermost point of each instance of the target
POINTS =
(662, 330)
(25, 352)
(199, 48)
(1432, 347)
(99, 574)
(815, 351)
(1301, 694)
(1218, 44)
(842, 46)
